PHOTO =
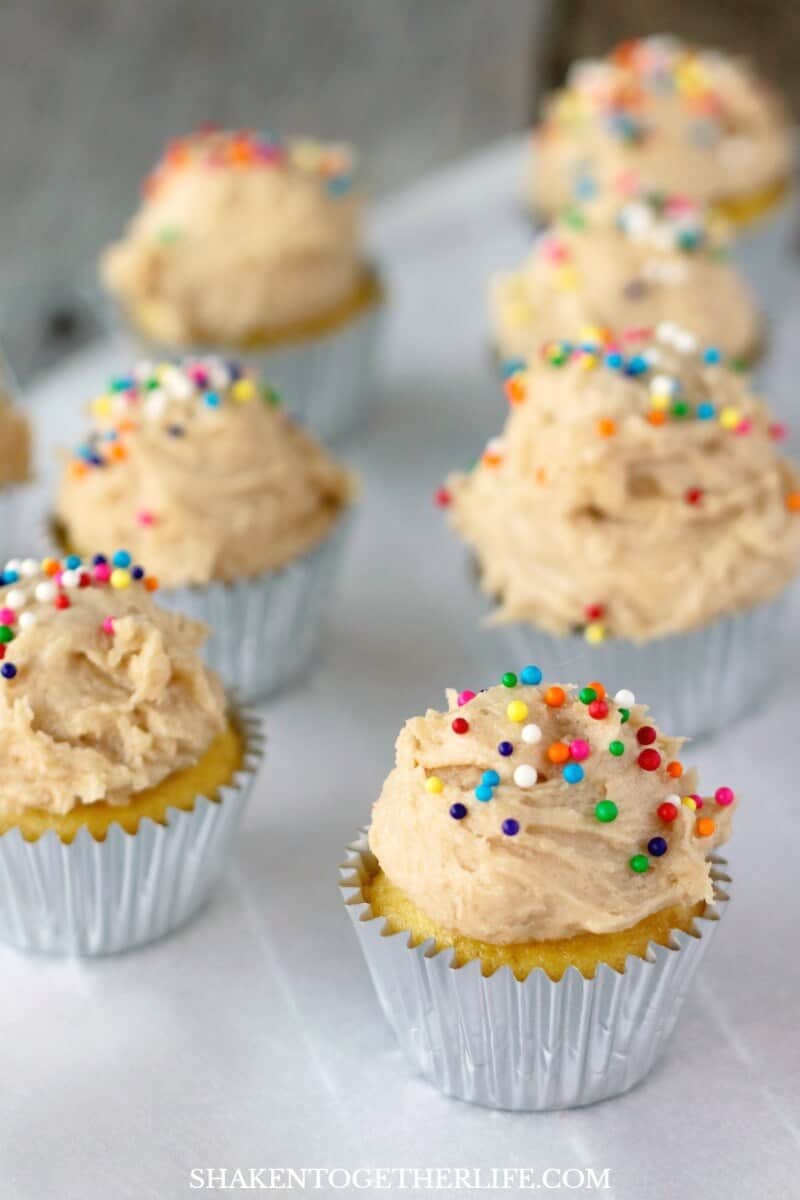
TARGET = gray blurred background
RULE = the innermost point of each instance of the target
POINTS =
(91, 89)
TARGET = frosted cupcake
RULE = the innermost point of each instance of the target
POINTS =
(195, 469)
(660, 114)
(15, 463)
(627, 265)
(125, 768)
(635, 522)
(536, 892)
(246, 244)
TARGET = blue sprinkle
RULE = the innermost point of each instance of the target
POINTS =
(712, 355)
(573, 772)
(636, 365)
(137, 573)
(72, 562)
(505, 748)
(339, 185)
(175, 430)
(585, 188)
(212, 399)
(531, 675)
(490, 778)
(705, 411)
(99, 560)
(614, 360)
(483, 793)
(511, 366)
(10, 577)
(657, 846)
(8, 670)
(510, 827)
(458, 811)
(121, 559)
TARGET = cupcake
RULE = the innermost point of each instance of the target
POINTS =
(636, 523)
(15, 462)
(125, 771)
(195, 469)
(680, 120)
(536, 892)
(621, 266)
(250, 246)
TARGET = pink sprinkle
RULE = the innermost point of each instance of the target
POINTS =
(724, 796)
(102, 572)
(7, 616)
(778, 431)
(744, 426)
(57, 577)
(108, 625)
(698, 800)
(146, 517)
(465, 697)
(553, 250)
(579, 749)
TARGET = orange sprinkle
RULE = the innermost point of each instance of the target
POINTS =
(151, 583)
(656, 417)
(704, 827)
(126, 425)
(50, 566)
(558, 752)
(606, 427)
(541, 475)
(675, 769)
(491, 460)
(78, 469)
(598, 689)
(793, 501)
(515, 390)
(117, 452)
(554, 697)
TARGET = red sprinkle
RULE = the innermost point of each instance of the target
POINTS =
(460, 725)
(646, 735)
(667, 811)
(693, 495)
(649, 759)
(598, 709)
(594, 612)
(61, 601)
(442, 497)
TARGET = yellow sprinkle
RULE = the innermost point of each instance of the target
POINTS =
(729, 418)
(567, 279)
(101, 407)
(595, 633)
(689, 801)
(243, 390)
(434, 785)
(120, 578)
(587, 361)
(517, 710)
(659, 401)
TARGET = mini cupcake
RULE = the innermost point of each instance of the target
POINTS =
(621, 266)
(680, 120)
(240, 513)
(125, 769)
(635, 522)
(250, 246)
(546, 862)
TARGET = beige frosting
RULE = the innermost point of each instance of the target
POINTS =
(611, 491)
(565, 871)
(636, 265)
(93, 715)
(195, 471)
(15, 443)
(238, 238)
(662, 114)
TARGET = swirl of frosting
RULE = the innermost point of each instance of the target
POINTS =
(623, 467)
(240, 238)
(634, 263)
(198, 472)
(529, 813)
(659, 113)
(102, 693)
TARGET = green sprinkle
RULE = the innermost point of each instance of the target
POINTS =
(168, 235)
(586, 695)
(509, 679)
(6, 634)
(271, 396)
(680, 408)
(624, 715)
(639, 863)
(606, 811)
(616, 748)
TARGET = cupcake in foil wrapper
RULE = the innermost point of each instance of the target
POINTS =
(92, 897)
(528, 1045)
(325, 381)
(266, 630)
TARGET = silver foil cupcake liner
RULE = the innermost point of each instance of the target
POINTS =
(530, 1045)
(694, 683)
(91, 897)
(324, 382)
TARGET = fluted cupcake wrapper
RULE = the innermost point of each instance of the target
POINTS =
(324, 382)
(91, 897)
(530, 1045)
(694, 683)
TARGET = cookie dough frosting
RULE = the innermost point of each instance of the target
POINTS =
(647, 260)
(196, 469)
(659, 113)
(531, 812)
(15, 443)
(636, 491)
(240, 236)
(102, 693)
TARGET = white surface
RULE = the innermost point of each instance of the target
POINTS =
(252, 1038)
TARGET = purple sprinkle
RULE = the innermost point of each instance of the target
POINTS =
(510, 827)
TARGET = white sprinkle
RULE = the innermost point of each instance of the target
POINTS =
(13, 564)
(625, 698)
(525, 776)
(531, 734)
(16, 598)
(685, 342)
(155, 403)
(70, 579)
(672, 798)
(26, 619)
(45, 591)
(662, 385)
(29, 567)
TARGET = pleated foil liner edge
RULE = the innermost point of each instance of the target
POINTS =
(532, 1045)
(93, 898)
